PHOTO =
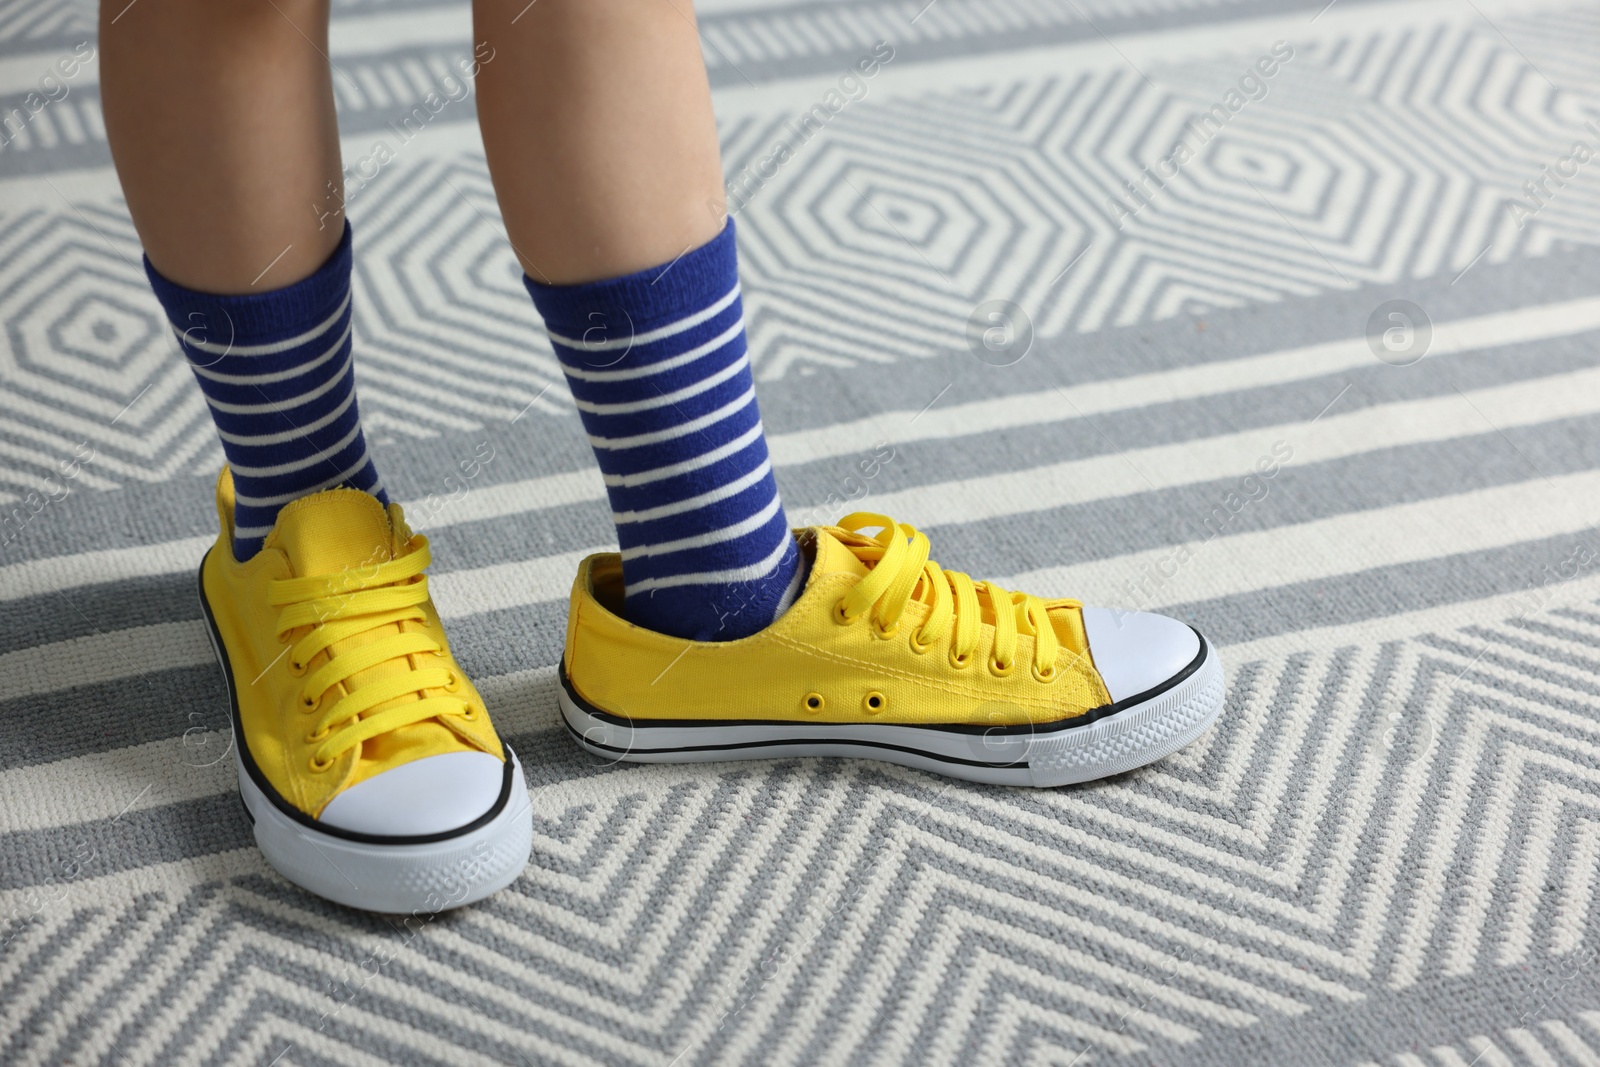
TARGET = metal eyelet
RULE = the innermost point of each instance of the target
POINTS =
(1047, 676)
(960, 663)
(316, 737)
(298, 670)
(1001, 670)
(470, 715)
(454, 684)
(874, 702)
(317, 766)
(841, 616)
(813, 702)
(917, 646)
(879, 631)
(307, 703)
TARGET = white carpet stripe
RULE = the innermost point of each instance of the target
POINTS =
(104, 657)
(1326, 548)
(948, 420)
(672, 329)
(104, 784)
(217, 348)
(1232, 456)
(523, 701)
(144, 650)
(1581, 591)
(60, 574)
(1381, 426)
(1345, 544)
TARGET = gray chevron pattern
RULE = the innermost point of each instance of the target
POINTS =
(1385, 853)
(863, 914)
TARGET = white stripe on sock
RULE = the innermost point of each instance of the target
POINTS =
(727, 533)
(289, 435)
(276, 376)
(661, 400)
(231, 349)
(694, 503)
(674, 363)
(672, 470)
(671, 329)
(736, 574)
(299, 464)
(272, 407)
(672, 433)
(279, 501)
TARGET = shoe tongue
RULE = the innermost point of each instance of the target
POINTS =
(833, 557)
(332, 532)
(349, 530)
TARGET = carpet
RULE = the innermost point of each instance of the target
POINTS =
(1276, 316)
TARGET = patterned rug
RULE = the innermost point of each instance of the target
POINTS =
(1277, 316)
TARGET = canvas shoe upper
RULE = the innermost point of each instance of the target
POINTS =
(886, 654)
(355, 724)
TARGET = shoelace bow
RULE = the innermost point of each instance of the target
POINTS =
(340, 606)
(899, 559)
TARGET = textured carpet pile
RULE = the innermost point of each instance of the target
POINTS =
(1306, 357)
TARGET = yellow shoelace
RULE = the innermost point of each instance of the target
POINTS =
(899, 560)
(336, 607)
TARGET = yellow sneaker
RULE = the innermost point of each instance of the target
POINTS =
(366, 759)
(887, 656)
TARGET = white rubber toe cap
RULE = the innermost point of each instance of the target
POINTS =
(432, 795)
(1135, 651)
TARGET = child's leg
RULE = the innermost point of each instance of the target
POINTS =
(368, 764)
(221, 122)
(597, 121)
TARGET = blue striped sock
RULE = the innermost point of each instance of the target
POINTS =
(275, 370)
(656, 362)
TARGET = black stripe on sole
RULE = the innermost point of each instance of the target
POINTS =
(623, 753)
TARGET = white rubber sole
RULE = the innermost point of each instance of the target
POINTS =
(1043, 755)
(429, 877)
(420, 875)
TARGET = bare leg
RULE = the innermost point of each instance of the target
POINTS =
(221, 122)
(597, 123)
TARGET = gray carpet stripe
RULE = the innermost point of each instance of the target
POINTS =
(161, 705)
(1152, 426)
(543, 445)
(1382, 854)
(508, 640)
(1400, 1020)
(1373, 593)
(1098, 530)
(137, 838)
